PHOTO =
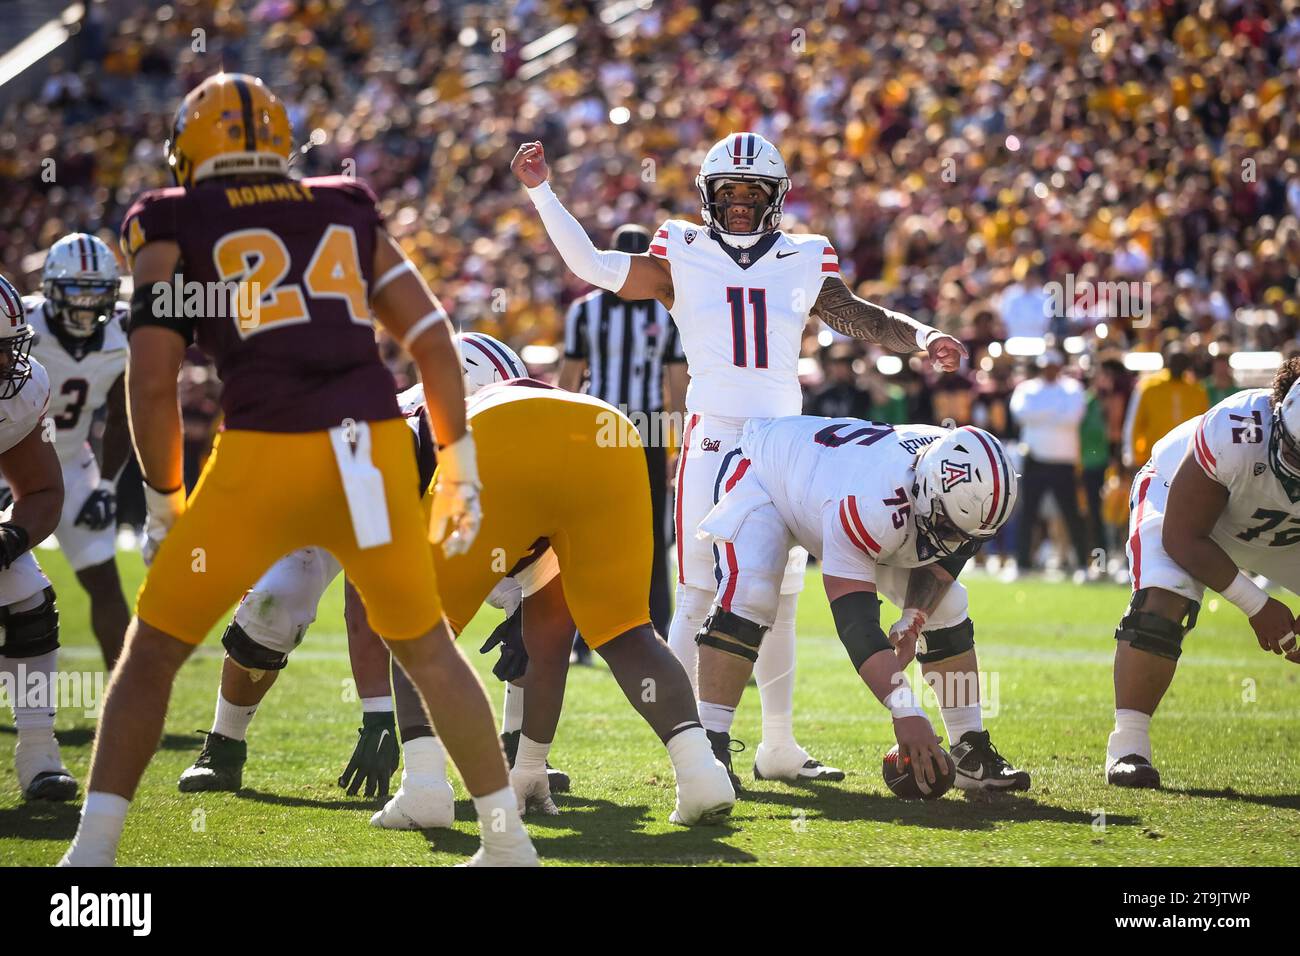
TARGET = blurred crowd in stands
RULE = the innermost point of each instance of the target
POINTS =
(1062, 184)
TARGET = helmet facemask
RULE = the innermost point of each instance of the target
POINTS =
(1284, 456)
(15, 363)
(766, 216)
(81, 306)
(942, 532)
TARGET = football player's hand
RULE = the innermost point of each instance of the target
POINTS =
(918, 742)
(513, 661)
(1272, 624)
(99, 509)
(375, 759)
(455, 515)
(163, 508)
(905, 633)
(529, 165)
(946, 352)
(533, 791)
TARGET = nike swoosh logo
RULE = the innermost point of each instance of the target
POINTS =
(978, 774)
(382, 734)
(782, 255)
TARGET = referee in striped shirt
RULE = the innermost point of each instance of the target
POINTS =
(630, 355)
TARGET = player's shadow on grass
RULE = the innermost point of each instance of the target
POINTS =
(829, 802)
(1279, 801)
(40, 820)
(601, 831)
(85, 736)
(285, 800)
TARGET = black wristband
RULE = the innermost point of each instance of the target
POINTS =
(151, 305)
(857, 621)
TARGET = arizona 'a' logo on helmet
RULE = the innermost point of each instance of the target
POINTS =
(742, 157)
(229, 124)
(15, 341)
(965, 490)
(954, 473)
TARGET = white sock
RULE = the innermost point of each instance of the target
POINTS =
(376, 705)
(498, 817)
(232, 720)
(961, 720)
(102, 818)
(690, 751)
(34, 719)
(531, 757)
(716, 717)
(512, 711)
(1132, 735)
(424, 757)
(774, 674)
(688, 617)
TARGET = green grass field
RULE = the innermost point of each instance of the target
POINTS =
(1226, 742)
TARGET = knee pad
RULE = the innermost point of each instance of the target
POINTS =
(942, 643)
(32, 632)
(1153, 633)
(249, 654)
(731, 634)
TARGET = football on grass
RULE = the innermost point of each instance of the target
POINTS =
(900, 779)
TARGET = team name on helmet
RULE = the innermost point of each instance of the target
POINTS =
(230, 124)
(965, 490)
(81, 282)
(742, 157)
(15, 342)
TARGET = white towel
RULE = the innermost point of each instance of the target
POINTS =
(363, 484)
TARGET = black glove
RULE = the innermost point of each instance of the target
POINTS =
(99, 510)
(13, 542)
(6, 497)
(510, 635)
(375, 759)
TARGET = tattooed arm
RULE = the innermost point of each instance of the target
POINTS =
(845, 312)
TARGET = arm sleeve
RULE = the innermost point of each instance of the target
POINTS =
(607, 268)
(575, 330)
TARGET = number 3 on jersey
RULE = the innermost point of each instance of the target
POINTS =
(758, 305)
(258, 261)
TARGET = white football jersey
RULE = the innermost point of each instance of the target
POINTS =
(843, 486)
(741, 315)
(1230, 443)
(78, 387)
(22, 413)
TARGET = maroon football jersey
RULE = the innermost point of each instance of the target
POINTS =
(301, 355)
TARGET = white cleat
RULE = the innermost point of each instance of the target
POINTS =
(519, 852)
(421, 803)
(533, 792)
(82, 854)
(791, 763)
(704, 797)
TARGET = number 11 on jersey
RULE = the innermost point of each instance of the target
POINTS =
(758, 304)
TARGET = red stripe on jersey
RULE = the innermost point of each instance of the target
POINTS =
(830, 267)
(1135, 539)
(661, 251)
(857, 532)
(737, 474)
(733, 572)
(661, 234)
(1202, 453)
(681, 488)
(848, 529)
(830, 251)
(1204, 445)
(862, 528)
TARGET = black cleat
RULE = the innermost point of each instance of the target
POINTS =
(1133, 771)
(722, 744)
(220, 766)
(57, 786)
(558, 779)
(981, 767)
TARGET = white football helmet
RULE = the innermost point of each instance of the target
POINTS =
(15, 341)
(965, 490)
(742, 157)
(485, 360)
(1284, 442)
(81, 282)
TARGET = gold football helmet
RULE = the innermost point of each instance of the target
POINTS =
(228, 124)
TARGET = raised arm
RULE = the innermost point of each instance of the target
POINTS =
(627, 276)
(848, 314)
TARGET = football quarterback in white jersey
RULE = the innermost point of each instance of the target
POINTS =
(81, 341)
(891, 509)
(1219, 501)
(274, 616)
(29, 619)
(741, 292)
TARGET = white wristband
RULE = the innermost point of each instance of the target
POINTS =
(923, 337)
(458, 462)
(1246, 594)
(164, 506)
(903, 703)
(542, 195)
(424, 325)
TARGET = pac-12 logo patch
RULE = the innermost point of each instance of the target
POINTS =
(1259, 468)
(954, 474)
(690, 236)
